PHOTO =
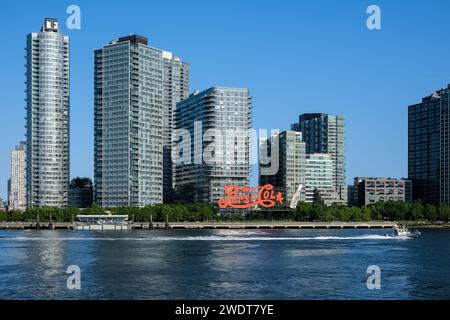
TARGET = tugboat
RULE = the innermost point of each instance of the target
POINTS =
(403, 233)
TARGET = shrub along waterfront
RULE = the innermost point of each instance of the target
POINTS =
(390, 211)
(178, 212)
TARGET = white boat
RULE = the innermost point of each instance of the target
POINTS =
(403, 233)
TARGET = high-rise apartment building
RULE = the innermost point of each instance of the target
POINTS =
(325, 133)
(47, 116)
(17, 193)
(291, 164)
(224, 116)
(429, 148)
(319, 184)
(176, 89)
(128, 123)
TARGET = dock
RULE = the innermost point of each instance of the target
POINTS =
(35, 225)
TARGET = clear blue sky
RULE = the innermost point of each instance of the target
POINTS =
(295, 56)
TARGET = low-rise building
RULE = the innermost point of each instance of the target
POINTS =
(371, 190)
(81, 193)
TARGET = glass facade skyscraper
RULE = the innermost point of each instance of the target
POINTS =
(227, 111)
(128, 123)
(319, 179)
(176, 89)
(291, 164)
(324, 133)
(47, 117)
(429, 148)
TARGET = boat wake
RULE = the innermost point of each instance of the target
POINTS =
(207, 238)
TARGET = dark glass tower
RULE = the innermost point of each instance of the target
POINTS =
(428, 148)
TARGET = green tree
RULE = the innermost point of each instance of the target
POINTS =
(444, 212)
(395, 210)
(70, 213)
(167, 212)
(325, 214)
(377, 211)
(366, 214)
(303, 211)
(81, 182)
(354, 213)
(416, 210)
(316, 212)
(94, 209)
(431, 212)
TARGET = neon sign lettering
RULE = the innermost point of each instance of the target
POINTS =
(245, 197)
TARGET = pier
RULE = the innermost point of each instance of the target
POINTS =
(266, 225)
(36, 225)
(209, 225)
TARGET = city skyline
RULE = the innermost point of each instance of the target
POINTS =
(238, 75)
(201, 155)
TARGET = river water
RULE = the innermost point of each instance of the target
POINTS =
(223, 264)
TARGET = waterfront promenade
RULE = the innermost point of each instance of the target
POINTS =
(274, 225)
(215, 225)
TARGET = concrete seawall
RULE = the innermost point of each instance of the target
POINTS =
(214, 225)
